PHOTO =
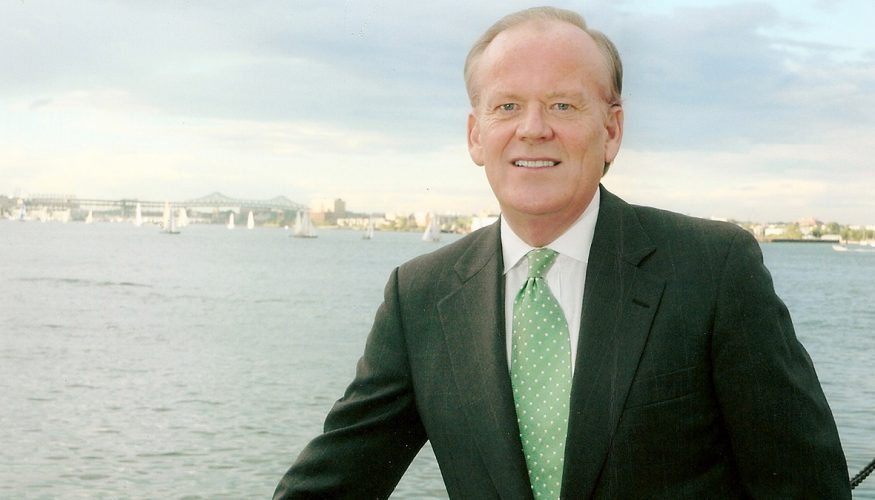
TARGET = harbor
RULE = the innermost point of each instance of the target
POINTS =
(136, 365)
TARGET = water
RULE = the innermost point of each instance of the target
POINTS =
(135, 364)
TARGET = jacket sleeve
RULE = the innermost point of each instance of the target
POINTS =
(780, 427)
(373, 432)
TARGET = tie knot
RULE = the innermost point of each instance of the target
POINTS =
(540, 260)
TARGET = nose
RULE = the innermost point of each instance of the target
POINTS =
(534, 125)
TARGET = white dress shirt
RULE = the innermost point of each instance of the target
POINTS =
(566, 277)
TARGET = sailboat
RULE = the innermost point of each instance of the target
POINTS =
(169, 222)
(90, 217)
(183, 218)
(369, 231)
(297, 227)
(432, 230)
(860, 247)
(138, 216)
(250, 222)
(22, 213)
(231, 220)
(303, 226)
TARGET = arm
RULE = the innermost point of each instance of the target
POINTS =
(372, 433)
(779, 424)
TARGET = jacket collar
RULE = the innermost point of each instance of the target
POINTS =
(472, 320)
(619, 303)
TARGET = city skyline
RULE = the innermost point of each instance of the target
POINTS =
(328, 205)
(741, 110)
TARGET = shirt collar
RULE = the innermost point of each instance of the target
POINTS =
(574, 242)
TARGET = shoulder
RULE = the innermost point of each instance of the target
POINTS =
(670, 228)
(636, 228)
(454, 261)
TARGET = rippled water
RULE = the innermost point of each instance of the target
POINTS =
(135, 364)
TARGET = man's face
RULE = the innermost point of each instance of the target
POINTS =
(543, 127)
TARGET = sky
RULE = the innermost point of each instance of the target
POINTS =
(750, 110)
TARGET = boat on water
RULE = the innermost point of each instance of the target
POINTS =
(138, 216)
(182, 219)
(303, 226)
(432, 230)
(862, 247)
(369, 231)
(90, 217)
(231, 220)
(250, 221)
(168, 224)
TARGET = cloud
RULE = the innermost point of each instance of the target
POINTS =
(827, 5)
(712, 77)
(350, 98)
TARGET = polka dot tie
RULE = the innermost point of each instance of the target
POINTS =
(541, 376)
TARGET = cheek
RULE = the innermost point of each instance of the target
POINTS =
(588, 146)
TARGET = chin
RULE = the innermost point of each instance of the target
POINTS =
(533, 208)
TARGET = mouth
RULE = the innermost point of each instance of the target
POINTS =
(535, 163)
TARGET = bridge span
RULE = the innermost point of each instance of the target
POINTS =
(210, 203)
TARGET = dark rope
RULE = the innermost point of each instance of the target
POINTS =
(863, 474)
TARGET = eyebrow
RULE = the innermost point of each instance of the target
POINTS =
(510, 96)
(505, 96)
(579, 96)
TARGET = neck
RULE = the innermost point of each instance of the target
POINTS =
(542, 229)
(539, 231)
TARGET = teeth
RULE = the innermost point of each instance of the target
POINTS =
(534, 163)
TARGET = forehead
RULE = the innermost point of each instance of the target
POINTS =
(554, 55)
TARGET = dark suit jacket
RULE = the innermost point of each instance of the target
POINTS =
(689, 380)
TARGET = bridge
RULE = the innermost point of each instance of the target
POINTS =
(209, 203)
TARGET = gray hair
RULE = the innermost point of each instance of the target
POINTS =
(606, 47)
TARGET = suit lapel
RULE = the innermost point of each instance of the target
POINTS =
(619, 303)
(472, 319)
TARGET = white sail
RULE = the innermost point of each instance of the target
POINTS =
(168, 224)
(296, 230)
(138, 216)
(173, 228)
(303, 226)
(432, 229)
(90, 217)
(250, 222)
(165, 219)
(369, 231)
(182, 219)
(231, 220)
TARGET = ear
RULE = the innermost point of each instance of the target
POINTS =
(474, 147)
(614, 129)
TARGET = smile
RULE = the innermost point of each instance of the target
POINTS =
(535, 163)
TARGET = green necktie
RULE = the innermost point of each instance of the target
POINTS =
(541, 376)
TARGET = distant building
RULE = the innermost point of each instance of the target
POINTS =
(773, 230)
(339, 208)
(326, 218)
(326, 212)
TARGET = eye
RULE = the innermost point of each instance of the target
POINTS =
(562, 106)
(507, 107)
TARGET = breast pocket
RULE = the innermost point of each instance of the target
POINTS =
(664, 388)
(669, 418)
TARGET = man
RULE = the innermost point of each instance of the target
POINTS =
(675, 371)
